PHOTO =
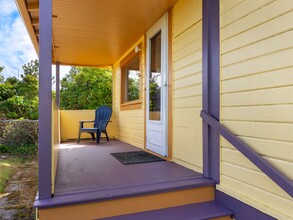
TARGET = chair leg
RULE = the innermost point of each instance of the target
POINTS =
(98, 136)
(79, 132)
(93, 136)
(106, 135)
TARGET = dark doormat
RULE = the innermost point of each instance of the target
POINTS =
(135, 157)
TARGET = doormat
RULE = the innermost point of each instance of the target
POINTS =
(135, 157)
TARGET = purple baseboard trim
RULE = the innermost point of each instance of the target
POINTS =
(100, 195)
(241, 210)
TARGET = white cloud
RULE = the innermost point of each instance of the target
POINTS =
(63, 70)
(16, 48)
(7, 7)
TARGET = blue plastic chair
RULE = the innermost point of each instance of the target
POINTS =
(102, 118)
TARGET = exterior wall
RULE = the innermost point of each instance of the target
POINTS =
(55, 141)
(129, 123)
(187, 83)
(257, 99)
(69, 120)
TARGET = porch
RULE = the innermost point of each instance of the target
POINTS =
(87, 172)
(91, 183)
(247, 149)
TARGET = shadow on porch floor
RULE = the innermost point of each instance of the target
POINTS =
(87, 172)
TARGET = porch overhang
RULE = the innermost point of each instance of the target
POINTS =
(93, 33)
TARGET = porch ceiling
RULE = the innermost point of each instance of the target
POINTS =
(91, 32)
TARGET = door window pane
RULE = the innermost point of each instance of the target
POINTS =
(155, 79)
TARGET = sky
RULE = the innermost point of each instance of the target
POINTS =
(16, 47)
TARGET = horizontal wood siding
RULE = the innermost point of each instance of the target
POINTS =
(187, 83)
(129, 123)
(55, 142)
(257, 99)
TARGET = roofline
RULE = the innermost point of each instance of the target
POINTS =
(22, 9)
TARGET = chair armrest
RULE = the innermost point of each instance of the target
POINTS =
(84, 121)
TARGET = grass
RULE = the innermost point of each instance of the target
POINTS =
(7, 168)
(18, 184)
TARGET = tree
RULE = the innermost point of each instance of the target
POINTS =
(31, 68)
(28, 86)
(1, 76)
(19, 98)
(12, 80)
(86, 88)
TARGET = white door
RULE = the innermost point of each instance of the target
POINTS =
(157, 88)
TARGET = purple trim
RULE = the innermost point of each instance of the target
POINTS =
(100, 195)
(274, 174)
(198, 211)
(87, 172)
(241, 210)
(211, 86)
(45, 99)
(58, 85)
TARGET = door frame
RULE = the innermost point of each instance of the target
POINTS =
(168, 62)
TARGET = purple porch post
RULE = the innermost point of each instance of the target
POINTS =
(58, 85)
(45, 98)
(211, 86)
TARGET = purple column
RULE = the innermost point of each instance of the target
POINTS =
(211, 86)
(45, 98)
(58, 85)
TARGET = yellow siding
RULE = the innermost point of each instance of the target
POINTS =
(187, 83)
(129, 123)
(257, 99)
(55, 141)
(69, 120)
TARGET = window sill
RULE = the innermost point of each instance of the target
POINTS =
(133, 105)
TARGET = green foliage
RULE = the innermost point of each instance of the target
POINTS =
(18, 133)
(86, 88)
(8, 167)
(24, 149)
(1, 77)
(133, 89)
(28, 87)
(31, 68)
(18, 107)
(155, 102)
(19, 98)
(6, 91)
(12, 80)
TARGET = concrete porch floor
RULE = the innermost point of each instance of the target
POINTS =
(88, 172)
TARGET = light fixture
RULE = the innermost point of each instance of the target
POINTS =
(137, 49)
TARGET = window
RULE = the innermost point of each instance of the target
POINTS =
(131, 82)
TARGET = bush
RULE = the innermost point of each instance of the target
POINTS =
(18, 107)
(25, 149)
(18, 132)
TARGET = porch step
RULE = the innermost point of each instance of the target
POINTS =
(132, 204)
(199, 211)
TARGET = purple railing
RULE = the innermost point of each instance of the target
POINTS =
(274, 174)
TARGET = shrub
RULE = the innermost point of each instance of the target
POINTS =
(19, 107)
(25, 149)
(18, 132)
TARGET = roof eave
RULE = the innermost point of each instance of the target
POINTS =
(22, 8)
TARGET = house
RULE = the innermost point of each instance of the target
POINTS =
(211, 91)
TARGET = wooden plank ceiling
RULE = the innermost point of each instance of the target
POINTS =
(94, 32)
